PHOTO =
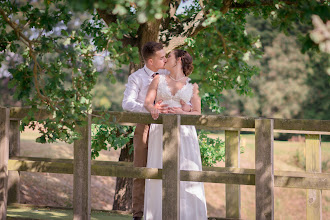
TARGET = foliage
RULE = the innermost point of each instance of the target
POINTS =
(108, 95)
(56, 68)
(300, 160)
(212, 150)
(321, 34)
(105, 137)
(317, 103)
(291, 84)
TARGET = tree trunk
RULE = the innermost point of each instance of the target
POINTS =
(148, 31)
(123, 194)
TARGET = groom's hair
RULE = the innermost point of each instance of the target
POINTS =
(150, 48)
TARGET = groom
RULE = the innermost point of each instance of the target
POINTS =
(135, 93)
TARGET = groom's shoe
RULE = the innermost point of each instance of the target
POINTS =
(137, 218)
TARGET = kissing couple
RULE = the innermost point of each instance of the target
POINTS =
(163, 86)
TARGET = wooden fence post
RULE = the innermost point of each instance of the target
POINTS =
(4, 156)
(171, 167)
(313, 164)
(264, 169)
(14, 150)
(82, 173)
(233, 192)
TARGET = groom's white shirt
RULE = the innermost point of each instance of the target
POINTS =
(137, 88)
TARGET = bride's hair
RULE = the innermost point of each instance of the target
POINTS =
(186, 61)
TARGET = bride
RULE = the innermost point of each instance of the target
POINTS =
(171, 89)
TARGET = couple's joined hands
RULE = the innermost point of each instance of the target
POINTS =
(164, 109)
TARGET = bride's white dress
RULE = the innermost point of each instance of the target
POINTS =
(192, 196)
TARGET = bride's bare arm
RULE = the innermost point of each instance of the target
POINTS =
(150, 98)
(196, 102)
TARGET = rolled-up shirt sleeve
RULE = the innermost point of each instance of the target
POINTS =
(131, 94)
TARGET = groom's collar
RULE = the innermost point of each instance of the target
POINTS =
(148, 71)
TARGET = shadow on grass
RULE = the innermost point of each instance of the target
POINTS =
(19, 212)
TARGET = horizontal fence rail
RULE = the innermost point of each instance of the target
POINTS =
(306, 126)
(286, 179)
(264, 177)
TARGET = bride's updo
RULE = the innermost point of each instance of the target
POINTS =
(186, 60)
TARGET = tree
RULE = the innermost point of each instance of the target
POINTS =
(57, 71)
(290, 84)
(280, 90)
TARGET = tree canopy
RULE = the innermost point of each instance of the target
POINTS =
(53, 58)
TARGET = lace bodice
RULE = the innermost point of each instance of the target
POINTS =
(164, 93)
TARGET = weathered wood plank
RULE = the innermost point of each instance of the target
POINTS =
(302, 124)
(264, 169)
(218, 177)
(313, 164)
(286, 179)
(98, 169)
(218, 122)
(14, 150)
(4, 157)
(232, 159)
(171, 167)
(202, 121)
(289, 180)
(232, 145)
(82, 173)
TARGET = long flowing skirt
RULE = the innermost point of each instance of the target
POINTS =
(192, 196)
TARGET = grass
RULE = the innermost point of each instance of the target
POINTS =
(56, 189)
(288, 203)
(62, 214)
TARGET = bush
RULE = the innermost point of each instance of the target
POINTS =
(212, 150)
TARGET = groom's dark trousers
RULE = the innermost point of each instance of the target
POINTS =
(140, 142)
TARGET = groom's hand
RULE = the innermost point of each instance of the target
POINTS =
(185, 107)
(162, 108)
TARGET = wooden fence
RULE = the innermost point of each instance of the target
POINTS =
(263, 176)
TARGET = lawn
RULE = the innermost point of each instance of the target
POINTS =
(61, 214)
(56, 189)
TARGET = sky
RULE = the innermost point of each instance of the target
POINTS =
(182, 5)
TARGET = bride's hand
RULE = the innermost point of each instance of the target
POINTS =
(185, 107)
(163, 108)
(154, 113)
(175, 110)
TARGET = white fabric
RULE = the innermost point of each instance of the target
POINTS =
(192, 196)
(164, 93)
(137, 88)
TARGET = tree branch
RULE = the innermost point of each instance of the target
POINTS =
(36, 83)
(196, 26)
(226, 6)
(174, 5)
(29, 44)
(222, 40)
(192, 29)
(15, 27)
(108, 18)
(263, 3)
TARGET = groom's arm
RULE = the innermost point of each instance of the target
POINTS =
(131, 94)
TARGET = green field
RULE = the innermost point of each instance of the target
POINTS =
(56, 189)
